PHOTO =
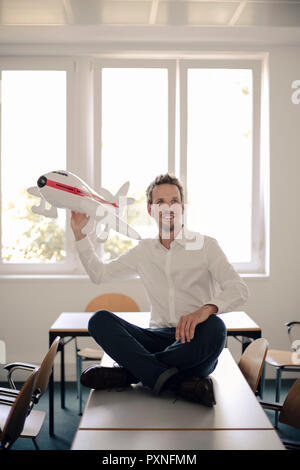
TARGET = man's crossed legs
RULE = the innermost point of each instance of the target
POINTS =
(154, 357)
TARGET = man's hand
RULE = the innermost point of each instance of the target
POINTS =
(185, 329)
(78, 221)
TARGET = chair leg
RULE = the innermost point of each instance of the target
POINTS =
(78, 373)
(35, 443)
(261, 384)
(77, 359)
(79, 389)
(278, 390)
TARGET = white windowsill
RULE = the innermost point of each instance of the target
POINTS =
(84, 277)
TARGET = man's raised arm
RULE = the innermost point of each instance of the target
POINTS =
(122, 268)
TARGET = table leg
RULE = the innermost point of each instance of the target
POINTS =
(245, 342)
(62, 375)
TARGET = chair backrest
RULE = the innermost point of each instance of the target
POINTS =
(46, 367)
(293, 333)
(2, 352)
(290, 412)
(252, 361)
(16, 418)
(114, 302)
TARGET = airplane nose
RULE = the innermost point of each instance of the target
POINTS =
(42, 181)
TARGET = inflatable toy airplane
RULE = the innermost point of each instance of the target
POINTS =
(63, 189)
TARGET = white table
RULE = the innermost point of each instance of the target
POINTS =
(72, 324)
(137, 408)
(135, 419)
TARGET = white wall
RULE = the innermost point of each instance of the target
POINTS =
(30, 306)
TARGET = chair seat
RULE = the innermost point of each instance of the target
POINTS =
(89, 353)
(33, 423)
(278, 358)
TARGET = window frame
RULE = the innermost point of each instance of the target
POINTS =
(52, 64)
(84, 134)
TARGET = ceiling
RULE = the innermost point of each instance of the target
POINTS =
(228, 13)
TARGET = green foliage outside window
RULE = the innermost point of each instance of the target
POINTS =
(35, 239)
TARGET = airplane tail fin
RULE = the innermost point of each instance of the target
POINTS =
(120, 198)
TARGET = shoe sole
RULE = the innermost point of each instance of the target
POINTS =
(101, 378)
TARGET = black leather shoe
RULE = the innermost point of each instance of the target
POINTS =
(198, 389)
(101, 378)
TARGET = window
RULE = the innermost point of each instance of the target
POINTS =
(219, 156)
(220, 127)
(33, 142)
(116, 120)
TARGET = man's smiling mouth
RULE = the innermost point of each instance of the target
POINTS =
(168, 216)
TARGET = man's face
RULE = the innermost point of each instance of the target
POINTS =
(167, 208)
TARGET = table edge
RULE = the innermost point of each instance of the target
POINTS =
(178, 429)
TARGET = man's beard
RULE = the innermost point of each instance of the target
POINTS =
(169, 228)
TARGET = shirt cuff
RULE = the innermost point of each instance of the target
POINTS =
(217, 303)
(83, 244)
(212, 304)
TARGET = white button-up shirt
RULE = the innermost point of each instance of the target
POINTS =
(193, 272)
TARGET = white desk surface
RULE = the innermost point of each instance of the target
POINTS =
(78, 321)
(177, 440)
(136, 407)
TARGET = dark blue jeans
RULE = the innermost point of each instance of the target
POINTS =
(153, 355)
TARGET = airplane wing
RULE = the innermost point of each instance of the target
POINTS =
(90, 227)
(112, 221)
(41, 209)
(126, 229)
(34, 191)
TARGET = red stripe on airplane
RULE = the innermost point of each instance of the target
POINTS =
(77, 192)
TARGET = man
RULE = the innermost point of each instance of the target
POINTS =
(180, 270)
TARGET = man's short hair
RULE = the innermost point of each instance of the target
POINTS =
(167, 178)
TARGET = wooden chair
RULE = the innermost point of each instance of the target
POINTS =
(285, 361)
(289, 412)
(8, 396)
(252, 362)
(113, 302)
(42, 377)
(13, 419)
